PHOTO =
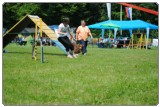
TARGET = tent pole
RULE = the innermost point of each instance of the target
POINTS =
(109, 35)
(103, 30)
(115, 33)
(147, 38)
(120, 17)
(130, 31)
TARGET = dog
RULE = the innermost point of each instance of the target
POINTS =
(77, 48)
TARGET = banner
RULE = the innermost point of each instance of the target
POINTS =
(109, 10)
(129, 12)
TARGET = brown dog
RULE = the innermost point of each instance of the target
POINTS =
(77, 48)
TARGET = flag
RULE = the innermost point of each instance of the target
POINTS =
(129, 12)
(109, 10)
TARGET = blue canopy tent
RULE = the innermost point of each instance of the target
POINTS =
(124, 25)
(53, 27)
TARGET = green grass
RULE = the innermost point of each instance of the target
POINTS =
(103, 77)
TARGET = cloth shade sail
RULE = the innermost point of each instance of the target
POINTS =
(124, 25)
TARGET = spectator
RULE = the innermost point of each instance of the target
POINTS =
(43, 40)
(17, 40)
(24, 40)
(100, 43)
(105, 40)
(20, 40)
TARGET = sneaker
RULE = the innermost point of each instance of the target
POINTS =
(77, 55)
(74, 56)
(84, 54)
(69, 56)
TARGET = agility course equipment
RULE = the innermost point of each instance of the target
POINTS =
(24, 22)
(138, 41)
(58, 44)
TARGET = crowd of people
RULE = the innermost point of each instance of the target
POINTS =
(22, 41)
(46, 41)
(105, 43)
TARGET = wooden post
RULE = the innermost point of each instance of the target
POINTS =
(42, 56)
(140, 41)
(35, 45)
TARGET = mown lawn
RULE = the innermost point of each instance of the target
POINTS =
(103, 77)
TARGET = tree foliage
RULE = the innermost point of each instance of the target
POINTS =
(52, 13)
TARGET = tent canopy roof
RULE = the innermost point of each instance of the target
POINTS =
(53, 27)
(124, 25)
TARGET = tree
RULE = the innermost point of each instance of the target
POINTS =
(52, 13)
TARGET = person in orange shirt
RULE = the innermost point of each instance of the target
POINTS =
(82, 34)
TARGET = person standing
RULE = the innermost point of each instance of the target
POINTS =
(24, 40)
(64, 33)
(82, 34)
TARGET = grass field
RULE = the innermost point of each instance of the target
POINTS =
(103, 77)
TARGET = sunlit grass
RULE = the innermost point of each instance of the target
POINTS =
(103, 77)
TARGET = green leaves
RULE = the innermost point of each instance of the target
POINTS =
(52, 13)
